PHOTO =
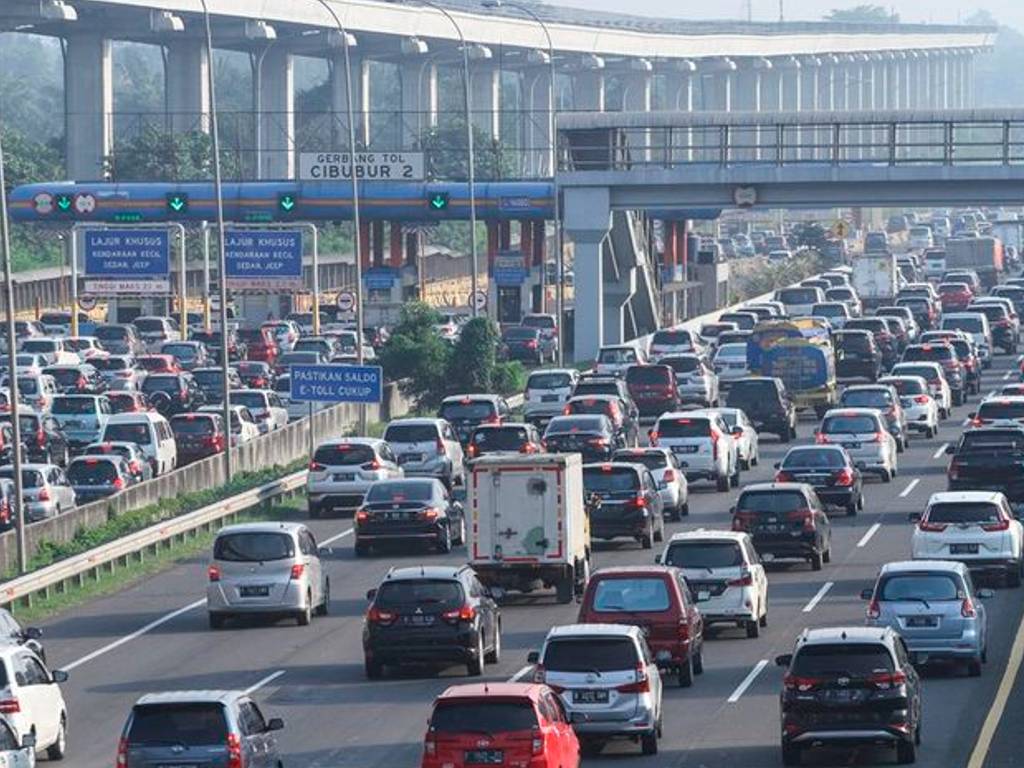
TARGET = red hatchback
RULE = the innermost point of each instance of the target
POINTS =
(657, 599)
(520, 724)
(260, 345)
(955, 297)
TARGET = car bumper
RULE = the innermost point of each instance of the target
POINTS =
(218, 600)
(836, 496)
(784, 546)
(614, 526)
(735, 605)
(40, 510)
(424, 646)
(628, 721)
(846, 736)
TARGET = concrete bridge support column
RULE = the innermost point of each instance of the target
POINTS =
(810, 72)
(536, 98)
(88, 126)
(826, 105)
(969, 82)
(791, 91)
(919, 90)
(587, 222)
(720, 91)
(940, 78)
(360, 100)
(868, 92)
(588, 91)
(637, 97)
(419, 99)
(679, 83)
(485, 98)
(187, 86)
(883, 82)
(397, 246)
(746, 142)
(277, 116)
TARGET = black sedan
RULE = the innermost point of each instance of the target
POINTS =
(592, 436)
(829, 470)
(409, 510)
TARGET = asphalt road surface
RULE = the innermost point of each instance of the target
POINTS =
(154, 637)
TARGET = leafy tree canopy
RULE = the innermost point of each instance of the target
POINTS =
(863, 14)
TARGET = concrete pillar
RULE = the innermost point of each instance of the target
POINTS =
(586, 222)
(749, 83)
(969, 81)
(636, 97)
(920, 90)
(485, 98)
(956, 82)
(869, 90)
(588, 90)
(89, 125)
(883, 83)
(188, 86)
(360, 99)
(679, 82)
(906, 65)
(721, 91)
(397, 245)
(826, 104)
(809, 74)
(276, 115)
(492, 245)
(377, 244)
(418, 76)
(536, 101)
(364, 243)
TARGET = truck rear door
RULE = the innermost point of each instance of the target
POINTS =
(516, 514)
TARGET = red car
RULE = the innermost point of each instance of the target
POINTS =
(127, 402)
(657, 599)
(260, 344)
(955, 297)
(158, 364)
(653, 388)
(521, 724)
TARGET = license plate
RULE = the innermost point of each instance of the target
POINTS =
(344, 477)
(851, 445)
(840, 695)
(485, 757)
(177, 765)
(549, 398)
(420, 620)
(259, 591)
(408, 458)
(922, 621)
(703, 595)
(589, 697)
(963, 549)
(684, 449)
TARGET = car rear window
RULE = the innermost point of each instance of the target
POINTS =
(64, 376)
(968, 324)
(591, 405)
(928, 374)
(252, 400)
(344, 455)
(253, 547)
(192, 424)
(797, 295)
(127, 433)
(649, 459)
(474, 410)
(609, 479)
(833, 425)
(180, 350)
(483, 717)
(874, 325)
(596, 388)
(411, 433)
(921, 586)
(617, 355)
(401, 491)
(857, 341)
(251, 335)
(753, 391)
(963, 512)
(549, 381)
(633, 594)
(109, 364)
(839, 294)
(538, 321)
(648, 374)
(704, 554)
(395, 594)
(184, 724)
(585, 654)
(842, 660)
(111, 333)
(150, 325)
(813, 458)
(866, 398)
(672, 338)
(209, 378)
(500, 438)
(683, 427)
(565, 426)
(30, 478)
(91, 472)
(170, 384)
(73, 405)
(681, 364)
(999, 409)
(771, 502)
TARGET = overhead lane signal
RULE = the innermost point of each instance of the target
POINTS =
(177, 203)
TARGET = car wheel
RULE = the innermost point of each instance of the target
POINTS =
(686, 673)
(816, 561)
(305, 616)
(461, 538)
(649, 743)
(722, 483)
(698, 660)
(684, 510)
(886, 476)
(475, 665)
(494, 655)
(314, 511)
(216, 621)
(361, 549)
(790, 754)
(826, 556)
(324, 606)
(1013, 576)
(763, 621)
(444, 540)
(58, 749)
(899, 446)
(753, 628)
(647, 539)
(906, 752)
(744, 464)
(851, 508)
(734, 481)
(974, 668)
(374, 669)
(659, 529)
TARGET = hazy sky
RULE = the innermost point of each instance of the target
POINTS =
(1010, 12)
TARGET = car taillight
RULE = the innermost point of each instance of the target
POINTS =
(746, 579)
(41, 438)
(81, 382)
(316, 467)
(642, 684)
(669, 476)
(637, 503)
(803, 516)
(924, 525)
(598, 442)
(1002, 525)
(845, 477)
(801, 684)
(362, 516)
(783, 477)
(122, 753)
(235, 759)
(527, 448)
(653, 438)
(714, 444)
(10, 706)
(259, 381)
(537, 743)
(471, 450)
(125, 374)
(954, 470)
(539, 673)
(118, 484)
(376, 616)
(967, 609)
(371, 466)
(878, 437)
(873, 611)
(440, 447)
(820, 438)
(297, 570)
(921, 399)
(887, 680)
(741, 520)
(429, 514)
(464, 613)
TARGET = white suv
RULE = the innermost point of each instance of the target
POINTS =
(547, 392)
(342, 470)
(725, 575)
(975, 527)
(702, 444)
(34, 700)
(427, 448)
(862, 432)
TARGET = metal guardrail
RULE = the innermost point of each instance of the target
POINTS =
(78, 568)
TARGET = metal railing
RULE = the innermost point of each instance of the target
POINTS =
(626, 141)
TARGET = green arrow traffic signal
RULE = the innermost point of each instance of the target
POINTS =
(63, 202)
(286, 202)
(177, 202)
(438, 201)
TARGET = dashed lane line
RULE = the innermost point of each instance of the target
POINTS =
(747, 681)
(940, 451)
(521, 674)
(335, 538)
(818, 596)
(867, 536)
(1007, 375)
(910, 487)
(264, 682)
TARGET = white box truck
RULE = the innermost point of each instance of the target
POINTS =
(529, 527)
(875, 278)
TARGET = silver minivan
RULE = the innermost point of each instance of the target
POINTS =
(269, 569)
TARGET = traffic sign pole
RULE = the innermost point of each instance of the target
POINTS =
(74, 281)
(316, 285)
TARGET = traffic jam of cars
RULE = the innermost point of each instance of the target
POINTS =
(586, 525)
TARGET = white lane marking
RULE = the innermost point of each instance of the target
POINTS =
(867, 536)
(265, 681)
(818, 596)
(521, 674)
(747, 681)
(910, 487)
(991, 394)
(334, 538)
(134, 635)
(965, 422)
(1007, 375)
(940, 451)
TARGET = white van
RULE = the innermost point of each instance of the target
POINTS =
(153, 434)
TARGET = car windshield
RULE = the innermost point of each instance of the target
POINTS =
(649, 459)
(469, 411)
(399, 492)
(184, 724)
(565, 426)
(65, 376)
(704, 554)
(395, 594)
(549, 381)
(610, 480)
(589, 654)
(344, 455)
(90, 471)
(632, 594)
(486, 717)
(963, 512)
(149, 325)
(842, 660)
(73, 405)
(1001, 409)
(253, 547)
(648, 374)
(763, 391)
(866, 398)
(192, 424)
(683, 427)
(500, 438)
(814, 458)
(617, 355)
(411, 433)
(127, 433)
(967, 324)
(921, 586)
(109, 364)
(771, 502)
(852, 424)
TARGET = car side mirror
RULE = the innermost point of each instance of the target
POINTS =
(784, 660)
(865, 594)
(732, 510)
(28, 741)
(778, 465)
(950, 450)
(533, 657)
(914, 517)
(325, 552)
(972, 414)
(496, 593)
(737, 431)
(32, 633)
(59, 676)
(275, 724)
(657, 559)
(985, 594)
(371, 594)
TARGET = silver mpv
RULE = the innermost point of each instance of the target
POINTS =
(269, 569)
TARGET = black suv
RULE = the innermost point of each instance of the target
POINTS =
(857, 355)
(850, 686)
(211, 382)
(431, 614)
(607, 385)
(42, 438)
(172, 393)
(991, 458)
(785, 520)
(766, 403)
(631, 504)
(829, 470)
(886, 341)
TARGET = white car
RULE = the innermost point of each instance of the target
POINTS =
(975, 325)
(29, 364)
(342, 470)
(51, 349)
(696, 380)
(266, 407)
(725, 573)
(935, 376)
(798, 300)
(977, 528)
(547, 392)
(999, 411)
(919, 405)
(37, 392)
(862, 432)
(665, 469)
(244, 427)
(85, 347)
(702, 444)
(33, 693)
(837, 313)
(673, 341)
(747, 440)
(613, 360)
(731, 363)
(847, 296)
(427, 448)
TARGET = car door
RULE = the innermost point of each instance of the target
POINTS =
(255, 738)
(567, 752)
(36, 693)
(311, 559)
(454, 447)
(487, 607)
(757, 571)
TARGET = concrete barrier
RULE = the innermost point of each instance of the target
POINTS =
(278, 448)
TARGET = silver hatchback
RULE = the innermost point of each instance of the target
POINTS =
(341, 471)
(270, 569)
(45, 490)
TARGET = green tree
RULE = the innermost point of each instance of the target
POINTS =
(478, 343)
(156, 155)
(416, 356)
(863, 14)
(447, 155)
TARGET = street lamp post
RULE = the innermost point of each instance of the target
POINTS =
(552, 137)
(221, 251)
(467, 106)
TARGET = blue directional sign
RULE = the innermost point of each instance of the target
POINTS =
(337, 383)
(380, 278)
(127, 253)
(263, 258)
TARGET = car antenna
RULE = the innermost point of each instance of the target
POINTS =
(421, 570)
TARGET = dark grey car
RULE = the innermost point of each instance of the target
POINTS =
(204, 729)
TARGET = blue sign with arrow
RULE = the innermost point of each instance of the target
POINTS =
(337, 383)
